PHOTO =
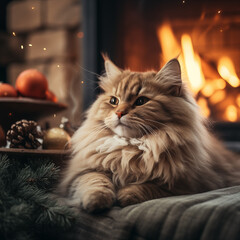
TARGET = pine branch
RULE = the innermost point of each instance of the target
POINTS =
(46, 175)
(27, 211)
(60, 216)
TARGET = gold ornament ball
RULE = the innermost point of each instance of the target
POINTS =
(56, 138)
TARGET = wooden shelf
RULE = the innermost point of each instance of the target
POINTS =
(14, 109)
(59, 157)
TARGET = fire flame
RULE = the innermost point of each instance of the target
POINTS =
(169, 43)
(231, 113)
(192, 64)
(210, 92)
(227, 71)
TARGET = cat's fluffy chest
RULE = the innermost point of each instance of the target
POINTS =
(129, 160)
(134, 146)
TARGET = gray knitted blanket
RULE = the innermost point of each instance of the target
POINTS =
(210, 215)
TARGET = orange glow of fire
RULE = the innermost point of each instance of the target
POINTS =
(212, 86)
(238, 100)
(192, 64)
(209, 92)
(169, 43)
(217, 97)
(202, 102)
(227, 71)
(231, 113)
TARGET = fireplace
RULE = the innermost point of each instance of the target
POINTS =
(144, 35)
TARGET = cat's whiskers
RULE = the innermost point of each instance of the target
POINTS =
(151, 121)
(142, 122)
(151, 131)
(142, 129)
(86, 70)
(147, 129)
(98, 129)
(110, 122)
(157, 122)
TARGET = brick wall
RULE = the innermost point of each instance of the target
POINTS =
(48, 34)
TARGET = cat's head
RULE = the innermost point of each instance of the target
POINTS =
(138, 103)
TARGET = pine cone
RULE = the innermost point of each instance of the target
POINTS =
(24, 134)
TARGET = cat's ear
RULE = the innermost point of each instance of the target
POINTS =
(111, 69)
(170, 77)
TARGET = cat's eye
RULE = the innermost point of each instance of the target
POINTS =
(114, 101)
(140, 101)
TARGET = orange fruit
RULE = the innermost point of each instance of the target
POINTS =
(6, 90)
(51, 96)
(32, 83)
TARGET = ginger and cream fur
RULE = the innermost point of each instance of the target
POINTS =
(144, 138)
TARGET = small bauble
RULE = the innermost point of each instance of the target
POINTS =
(2, 137)
(32, 83)
(56, 138)
(6, 90)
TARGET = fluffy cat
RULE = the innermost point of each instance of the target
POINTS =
(144, 138)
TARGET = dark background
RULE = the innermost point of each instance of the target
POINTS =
(3, 4)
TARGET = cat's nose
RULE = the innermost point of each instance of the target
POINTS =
(119, 114)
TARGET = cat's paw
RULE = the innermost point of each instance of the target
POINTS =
(96, 201)
(128, 196)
